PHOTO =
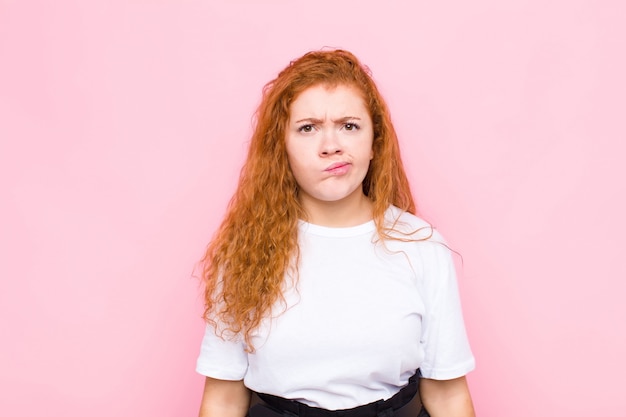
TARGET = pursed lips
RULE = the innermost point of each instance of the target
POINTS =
(336, 165)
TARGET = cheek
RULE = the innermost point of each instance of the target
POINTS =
(291, 156)
(300, 156)
(295, 165)
(370, 151)
(292, 159)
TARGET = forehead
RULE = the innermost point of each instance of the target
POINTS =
(329, 98)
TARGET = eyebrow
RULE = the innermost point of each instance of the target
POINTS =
(340, 120)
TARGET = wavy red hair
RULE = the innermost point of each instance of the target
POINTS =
(256, 244)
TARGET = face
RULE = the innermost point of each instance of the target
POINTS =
(329, 144)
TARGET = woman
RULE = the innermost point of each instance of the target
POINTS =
(324, 291)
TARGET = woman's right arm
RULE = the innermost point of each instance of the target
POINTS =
(223, 398)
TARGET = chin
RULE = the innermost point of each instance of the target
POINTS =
(336, 198)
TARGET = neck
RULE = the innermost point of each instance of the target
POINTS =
(351, 211)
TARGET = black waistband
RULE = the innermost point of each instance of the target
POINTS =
(380, 408)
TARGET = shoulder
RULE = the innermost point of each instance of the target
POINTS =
(428, 252)
(406, 226)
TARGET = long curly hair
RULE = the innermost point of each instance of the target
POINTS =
(256, 245)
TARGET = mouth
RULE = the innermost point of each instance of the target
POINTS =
(338, 168)
(336, 165)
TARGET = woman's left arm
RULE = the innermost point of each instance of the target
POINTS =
(446, 398)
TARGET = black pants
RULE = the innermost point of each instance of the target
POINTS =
(263, 410)
(404, 404)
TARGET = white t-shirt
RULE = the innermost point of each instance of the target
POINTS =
(361, 317)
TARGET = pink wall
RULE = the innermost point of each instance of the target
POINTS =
(123, 125)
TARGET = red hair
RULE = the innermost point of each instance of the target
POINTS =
(256, 244)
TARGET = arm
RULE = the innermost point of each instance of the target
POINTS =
(223, 398)
(449, 398)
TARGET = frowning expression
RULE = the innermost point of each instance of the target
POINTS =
(329, 143)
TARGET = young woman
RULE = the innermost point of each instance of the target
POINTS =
(325, 294)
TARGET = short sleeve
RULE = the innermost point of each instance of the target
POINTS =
(222, 358)
(447, 350)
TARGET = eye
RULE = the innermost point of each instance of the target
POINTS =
(305, 128)
(351, 126)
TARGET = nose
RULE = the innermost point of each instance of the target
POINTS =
(330, 143)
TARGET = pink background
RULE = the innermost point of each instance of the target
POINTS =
(123, 125)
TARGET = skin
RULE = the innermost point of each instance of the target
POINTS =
(224, 399)
(329, 146)
(327, 127)
(447, 398)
